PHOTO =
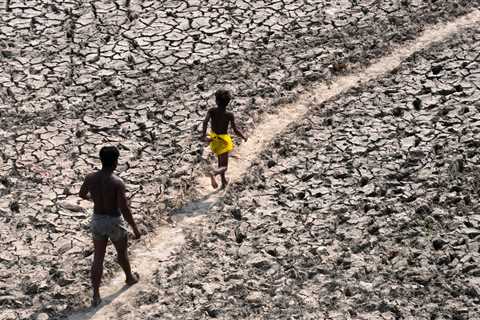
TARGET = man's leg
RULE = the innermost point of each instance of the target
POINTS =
(222, 168)
(100, 247)
(122, 258)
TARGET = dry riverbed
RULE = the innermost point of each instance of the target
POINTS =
(367, 209)
(75, 76)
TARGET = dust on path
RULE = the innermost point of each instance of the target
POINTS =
(159, 246)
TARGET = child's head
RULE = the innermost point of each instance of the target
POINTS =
(222, 97)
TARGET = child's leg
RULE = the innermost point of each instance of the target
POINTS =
(222, 168)
(212, 179)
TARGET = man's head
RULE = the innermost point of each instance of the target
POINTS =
(109, 157)
(222, 97)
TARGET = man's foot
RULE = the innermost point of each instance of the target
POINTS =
(132, 279)
(96, 301)
(213, 181)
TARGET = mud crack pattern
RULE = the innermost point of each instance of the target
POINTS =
(368, 209)
(140, 74)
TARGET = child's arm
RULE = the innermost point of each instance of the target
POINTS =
(205, 125)
(236, 130)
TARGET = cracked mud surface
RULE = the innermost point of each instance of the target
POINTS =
(368, 209)
(75, 76)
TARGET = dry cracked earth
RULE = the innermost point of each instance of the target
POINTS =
(367, 209)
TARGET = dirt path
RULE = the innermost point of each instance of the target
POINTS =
(159, 247)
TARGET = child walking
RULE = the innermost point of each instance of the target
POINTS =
(219, 140)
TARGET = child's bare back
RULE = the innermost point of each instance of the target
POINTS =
(220, 120)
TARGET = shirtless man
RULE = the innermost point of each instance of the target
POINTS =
(107, 191)
(219, 139)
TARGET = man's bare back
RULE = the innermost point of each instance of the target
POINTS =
(105, 192)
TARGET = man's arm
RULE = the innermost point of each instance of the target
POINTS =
(205, 125)
(236, 130)
(125, 209)
(84, 189)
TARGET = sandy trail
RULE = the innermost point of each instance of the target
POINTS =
(158, 247)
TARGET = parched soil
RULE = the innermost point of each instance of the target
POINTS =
(367, 209)
(76, 75)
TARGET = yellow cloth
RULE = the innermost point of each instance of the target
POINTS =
(221, 143)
